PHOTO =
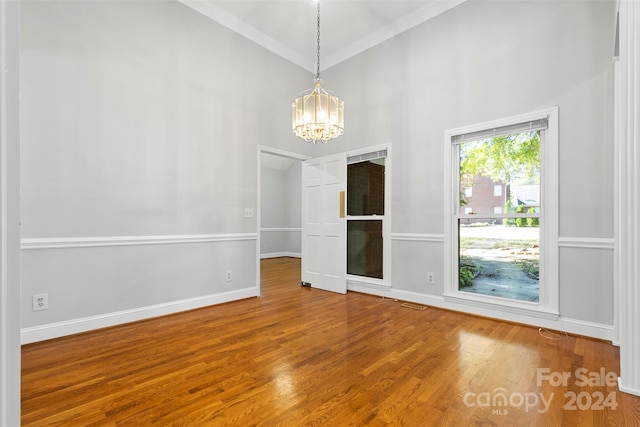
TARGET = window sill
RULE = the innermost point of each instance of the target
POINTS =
(505, 305)
(359, 282)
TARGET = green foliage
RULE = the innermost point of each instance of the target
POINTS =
(505, 159)
(463, 199)
(508, 222)
(465, 277)
(526, 222)
(521, 222)
(533, 222)
(466, 272)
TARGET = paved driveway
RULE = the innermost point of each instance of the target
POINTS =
(498, 274)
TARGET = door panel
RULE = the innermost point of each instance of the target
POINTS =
(323, 230)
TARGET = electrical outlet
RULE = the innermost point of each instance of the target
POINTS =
(229, 275)
(431, 279)
(40, 302)
(248, 213)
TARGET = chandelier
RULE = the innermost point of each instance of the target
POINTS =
(317, 115)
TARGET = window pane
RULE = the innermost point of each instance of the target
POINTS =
(501, 172)
(365, 188)
(499, 260)
(364, 248)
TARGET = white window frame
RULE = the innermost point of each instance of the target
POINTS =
(548, 304)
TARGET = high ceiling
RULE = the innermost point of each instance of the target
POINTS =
(347, 27)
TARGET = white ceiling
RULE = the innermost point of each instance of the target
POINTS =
(347, 27)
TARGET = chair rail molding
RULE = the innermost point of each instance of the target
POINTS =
(88, 242)
(418, 237)
(586, 243)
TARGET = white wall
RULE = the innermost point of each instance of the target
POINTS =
(140, 124)
(293, 188)
(274, 197)
(480, 61)
(281, 206)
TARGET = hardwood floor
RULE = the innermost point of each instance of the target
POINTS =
(299, 356)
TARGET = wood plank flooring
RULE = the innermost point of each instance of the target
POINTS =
(298, 356)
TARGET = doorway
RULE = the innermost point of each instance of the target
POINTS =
(367, 225)
(279, 205)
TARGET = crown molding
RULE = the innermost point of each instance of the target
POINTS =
(234, 24)
(422, 15)
(225, 19)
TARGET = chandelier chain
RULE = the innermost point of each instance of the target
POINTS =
(318, 41)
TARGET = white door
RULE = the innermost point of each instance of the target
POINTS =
(324, 249)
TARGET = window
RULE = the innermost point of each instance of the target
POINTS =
(504, 251)
(498, 252)
(366, 220)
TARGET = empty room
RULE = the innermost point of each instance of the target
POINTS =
(336, 212)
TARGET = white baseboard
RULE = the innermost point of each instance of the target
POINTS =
(69, 327)
(588, 329)
(572, 326)
(75, 326)
(624, 389)
(280, 255)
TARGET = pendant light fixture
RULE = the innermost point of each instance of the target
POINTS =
(317, 115)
